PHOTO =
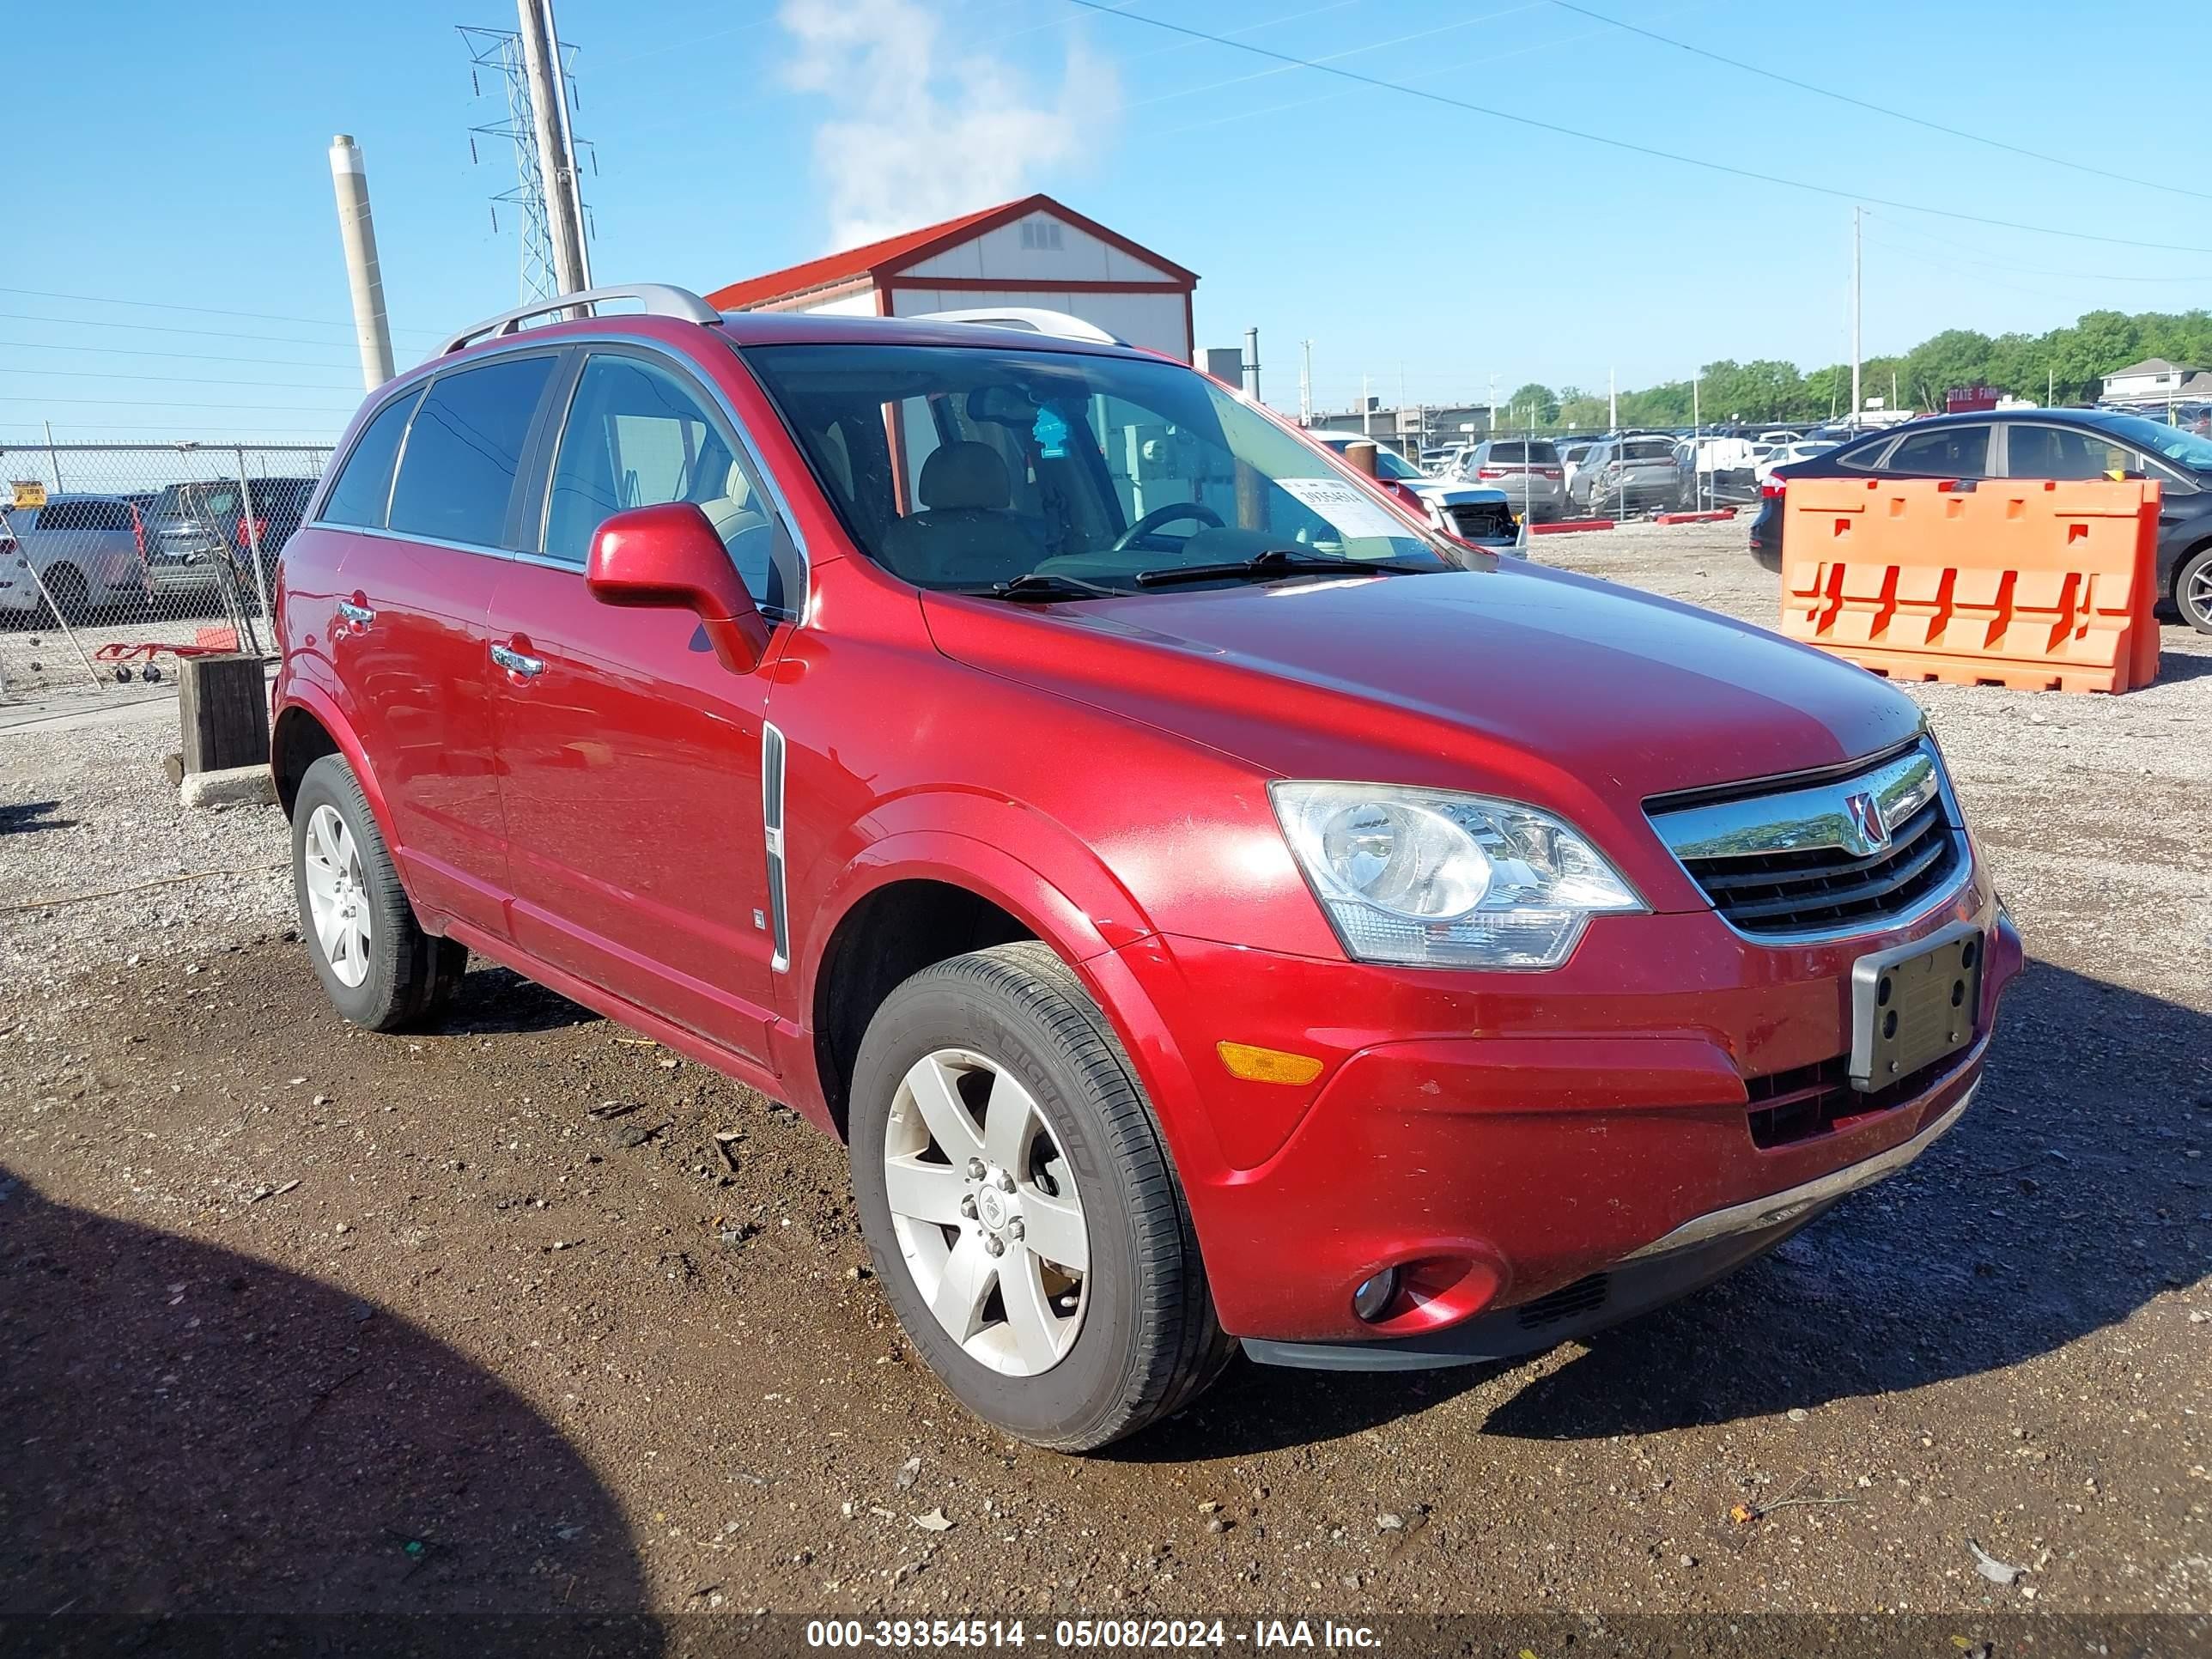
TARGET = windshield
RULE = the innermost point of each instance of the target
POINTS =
(967, 468)
(2188, 449)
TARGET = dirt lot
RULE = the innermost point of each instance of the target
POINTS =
(295, 1317)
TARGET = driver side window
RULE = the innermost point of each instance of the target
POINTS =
(638, 436)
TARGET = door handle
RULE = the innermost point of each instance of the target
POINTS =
(359, 615)
(515, 663)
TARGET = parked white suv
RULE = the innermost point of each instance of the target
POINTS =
(86, 548)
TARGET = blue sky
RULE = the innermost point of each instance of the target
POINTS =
(177, 154)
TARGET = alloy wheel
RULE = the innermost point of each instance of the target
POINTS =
(337, 900)
(986, 1212)
(2196, 597)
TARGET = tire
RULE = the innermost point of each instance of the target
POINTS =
(2192, 590)
(1143, 1340)
(379, 969)
(70, 595)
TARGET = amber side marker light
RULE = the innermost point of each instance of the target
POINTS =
(1256, 1065)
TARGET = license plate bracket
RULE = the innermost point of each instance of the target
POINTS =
(1912, 1005)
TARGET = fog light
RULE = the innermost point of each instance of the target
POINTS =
(1373, 1298)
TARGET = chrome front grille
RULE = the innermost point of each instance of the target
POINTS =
(1851, 854)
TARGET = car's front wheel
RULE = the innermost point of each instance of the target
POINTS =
(378, 965)
(2192, 590)
(1020, 1205)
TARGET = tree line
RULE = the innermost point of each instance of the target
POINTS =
(2064, 366)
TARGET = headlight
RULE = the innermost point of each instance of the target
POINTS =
(1435, 878)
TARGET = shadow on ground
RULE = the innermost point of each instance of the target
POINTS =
(28, 817)
(493, 999)
(2062, 1202)
(191, 1432)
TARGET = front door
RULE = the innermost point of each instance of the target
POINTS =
(629, 757)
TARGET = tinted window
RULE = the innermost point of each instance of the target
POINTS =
(2052, 452)
(1950, 452)
(1537, 454)
(638, 436)
(80, 515)
(1650, 449)
(463, 449)
(364, 484)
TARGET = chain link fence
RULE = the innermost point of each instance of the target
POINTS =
(110, 553)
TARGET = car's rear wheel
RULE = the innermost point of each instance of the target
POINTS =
(72, 597)
(1014, 1190)
(2192, 590)
(378, 966)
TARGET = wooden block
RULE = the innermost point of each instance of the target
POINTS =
(222, 708)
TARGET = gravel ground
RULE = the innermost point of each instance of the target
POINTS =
(524, 1313)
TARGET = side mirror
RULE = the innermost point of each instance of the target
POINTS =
(668, 557)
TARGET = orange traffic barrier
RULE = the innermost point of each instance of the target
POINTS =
(2032, 583)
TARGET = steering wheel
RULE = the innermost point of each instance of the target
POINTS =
(1160, 516)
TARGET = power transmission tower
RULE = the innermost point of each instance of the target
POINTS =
(499, 56)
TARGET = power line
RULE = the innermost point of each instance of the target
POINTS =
(2032, 271)
(1755, 176)
(1877, 109)
(181, 357)
(165, 328)
(172, 380)
(205, 311)
(142, 403)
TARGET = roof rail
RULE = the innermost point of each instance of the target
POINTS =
(1030, 318)
(659, 299)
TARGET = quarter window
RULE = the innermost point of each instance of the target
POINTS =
(364, 484)
(638, 436)
(457, 472)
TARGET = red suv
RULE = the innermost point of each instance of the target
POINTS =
(1212, 906)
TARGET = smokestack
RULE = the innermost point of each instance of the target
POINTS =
(371, 329)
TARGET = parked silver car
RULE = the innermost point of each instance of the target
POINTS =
(1528, 469)
(1630, 473)
(87, 549)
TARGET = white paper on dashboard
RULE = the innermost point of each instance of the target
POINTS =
(1343, 506)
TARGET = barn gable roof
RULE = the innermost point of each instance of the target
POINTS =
(876, 261)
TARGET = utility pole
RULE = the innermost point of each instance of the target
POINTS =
(1696, 445)
(1612, 401)
(1305, 385)
(372, 330)
(1856, 308)
(1366, 408)
(556, 162)
(1252, 364)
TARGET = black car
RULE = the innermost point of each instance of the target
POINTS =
(2039, 443)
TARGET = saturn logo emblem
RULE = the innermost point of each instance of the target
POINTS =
(1869, 833)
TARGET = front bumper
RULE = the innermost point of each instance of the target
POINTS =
(1701, 1250)
(1501, 1137)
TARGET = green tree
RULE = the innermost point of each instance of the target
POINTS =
(1541, 401)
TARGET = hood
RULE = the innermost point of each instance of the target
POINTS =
(1556, 689)
(1445, 494)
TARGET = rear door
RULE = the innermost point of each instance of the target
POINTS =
(630, 759)
(415, 588)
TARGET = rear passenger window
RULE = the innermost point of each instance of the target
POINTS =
(1951, 452)
(364, 484)
(457, 472)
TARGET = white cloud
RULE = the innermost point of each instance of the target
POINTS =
(921, 129)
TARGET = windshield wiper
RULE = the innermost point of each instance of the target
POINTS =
(1273, 562)
(1049, 585)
